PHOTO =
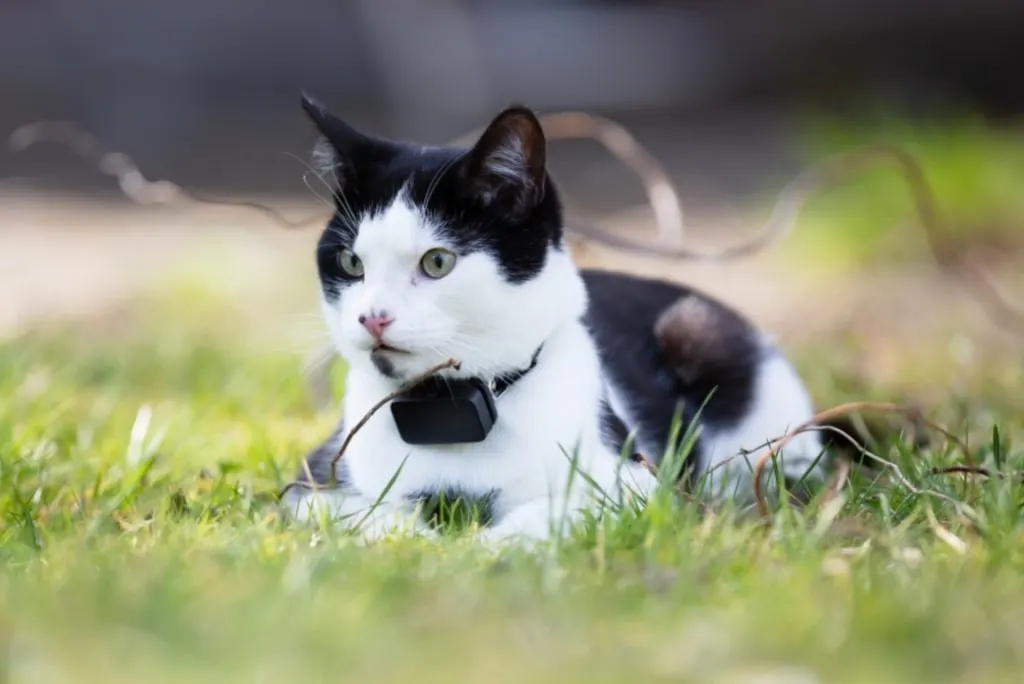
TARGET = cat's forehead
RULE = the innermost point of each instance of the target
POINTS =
(410, 177)
(391, 211)
(399, 228)
(423, 158)
(416, 168)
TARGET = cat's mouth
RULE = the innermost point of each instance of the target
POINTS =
(382, 347)
(383, 358)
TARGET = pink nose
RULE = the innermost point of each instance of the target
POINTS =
(376, 323)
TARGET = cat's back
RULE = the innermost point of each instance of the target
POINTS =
(628, 303)
(663, 320)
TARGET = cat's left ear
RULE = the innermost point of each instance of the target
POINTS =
(507, 163)
(341, 148)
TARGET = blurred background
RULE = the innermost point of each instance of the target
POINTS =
(732, 96)
(205, 91)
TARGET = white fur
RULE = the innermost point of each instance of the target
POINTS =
(324, 159)
(508, 160)
(548, 421)
(780, 404)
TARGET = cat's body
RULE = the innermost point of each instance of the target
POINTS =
(438, 253)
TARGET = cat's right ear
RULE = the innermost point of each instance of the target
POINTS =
(507, 161)
(340, 145)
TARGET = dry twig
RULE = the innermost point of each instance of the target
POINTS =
(839, 479)
(816, 422)
(124, 170)
(961, 470)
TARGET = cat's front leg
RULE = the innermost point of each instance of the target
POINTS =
(370, 519)
(540, 519)
(533, 521)
(385, 519)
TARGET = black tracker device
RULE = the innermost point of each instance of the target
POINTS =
(437, 412)
(451, 410)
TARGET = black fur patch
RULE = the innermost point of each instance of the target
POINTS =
(383, 364)
(616, 434)
(453, 506)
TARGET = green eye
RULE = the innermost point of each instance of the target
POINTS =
(349, 263)
(437, 263)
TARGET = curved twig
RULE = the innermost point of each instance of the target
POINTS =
(839, 480)
(777, 444)
(962, 470)
(129, 177)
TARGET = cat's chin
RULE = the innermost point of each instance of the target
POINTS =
(391, 362)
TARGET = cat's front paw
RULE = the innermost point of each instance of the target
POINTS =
(369, 520)
(376, 526)
(528, 525)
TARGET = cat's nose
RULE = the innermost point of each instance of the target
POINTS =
(376, 322)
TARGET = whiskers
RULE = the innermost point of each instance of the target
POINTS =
(301, 333)
(306, 335)
(335, 194)
(475, 359)
(436, 180)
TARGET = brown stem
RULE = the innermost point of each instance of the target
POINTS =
(777, 444)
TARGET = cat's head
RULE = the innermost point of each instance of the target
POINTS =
(436, 253)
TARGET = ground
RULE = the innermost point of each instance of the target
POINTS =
(151, 371)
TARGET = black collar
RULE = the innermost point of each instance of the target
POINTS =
(504, 381)
(440, 386)
(453, 410)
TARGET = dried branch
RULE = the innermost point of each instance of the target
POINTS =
(124, 170)
(816, 422)
(839, 480)
(961, 470)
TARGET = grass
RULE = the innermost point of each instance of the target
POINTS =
(141, 542)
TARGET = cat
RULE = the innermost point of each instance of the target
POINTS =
(436, 253)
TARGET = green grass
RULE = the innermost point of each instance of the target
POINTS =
(162, 557)
(974, 169)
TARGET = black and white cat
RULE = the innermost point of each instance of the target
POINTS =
(436, 253)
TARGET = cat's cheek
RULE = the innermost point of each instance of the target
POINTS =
(344, 336)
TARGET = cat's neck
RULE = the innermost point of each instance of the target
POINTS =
(365, 386)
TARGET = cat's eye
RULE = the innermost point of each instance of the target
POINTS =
(350, 264)
(437, 263)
